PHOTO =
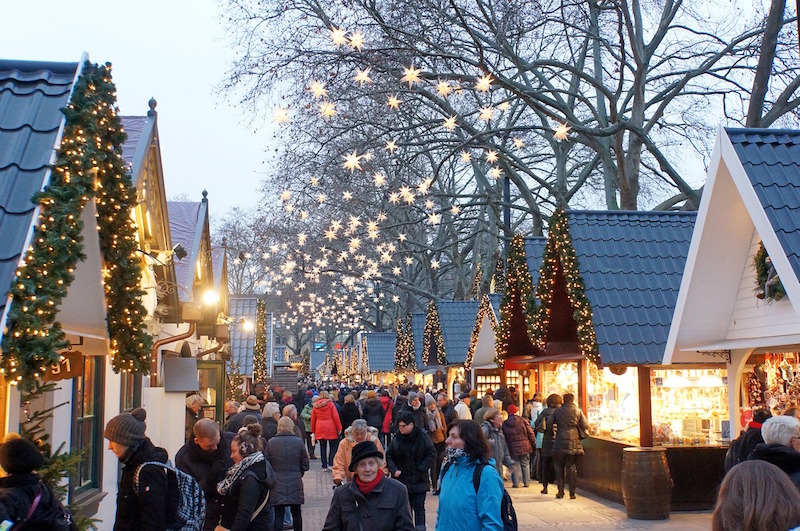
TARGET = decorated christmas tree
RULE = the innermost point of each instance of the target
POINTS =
(517, 298)
(433, 344)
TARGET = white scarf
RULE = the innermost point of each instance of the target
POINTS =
(236, 470)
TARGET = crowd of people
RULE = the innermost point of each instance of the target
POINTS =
(386, 449)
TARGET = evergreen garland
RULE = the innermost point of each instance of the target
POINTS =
(260, 346)
(499, 278)
(305, 368)
(88, 164)
(518, 292)
(560, 252)
(409, 344)
(776, 291)
(433, 342)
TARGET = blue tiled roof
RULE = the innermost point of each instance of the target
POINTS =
(534, 251)
(243, 341)
(631, 264)
(418, 331)
(32, 95)
(380, 350)
(771, 159)
(496, 299)
(186, 228)
(457, 319)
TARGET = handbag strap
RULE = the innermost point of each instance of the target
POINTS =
(34, 505)
(260, 507)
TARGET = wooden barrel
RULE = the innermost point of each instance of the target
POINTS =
(646, 483)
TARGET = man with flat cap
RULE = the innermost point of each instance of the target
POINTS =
(371, 502)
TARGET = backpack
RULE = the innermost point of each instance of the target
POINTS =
(186, 503)
(507, 513)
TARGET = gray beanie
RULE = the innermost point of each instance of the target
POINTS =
(429, 399)
(127, 429)
(411, 395)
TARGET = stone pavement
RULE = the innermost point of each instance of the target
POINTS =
(534, 510)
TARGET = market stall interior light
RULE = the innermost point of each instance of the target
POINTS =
(210, 297)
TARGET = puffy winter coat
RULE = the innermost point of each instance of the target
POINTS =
(386, 402)
(420, 420)
(374, 412)
(567, 418)
(543, 424)
(325, 421)
(147, 508)
(519, 436)
(497, 442)
(783, 457)
(384, 509)
(306, 416)
(245, 497)
(460, 507)
(289, 460)
(17, 494)
(413, 455)
(208, 468)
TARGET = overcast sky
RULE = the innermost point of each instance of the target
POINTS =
(171, 50)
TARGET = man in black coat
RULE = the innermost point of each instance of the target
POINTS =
(449, 412)
(207, 457)
(781, 445)
(740, 448)
(409, 457)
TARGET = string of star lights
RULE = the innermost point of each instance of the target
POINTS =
(88, 166)
(560, 255)
(433, 342)
(260, 345)
(484, 309)
(517, 298)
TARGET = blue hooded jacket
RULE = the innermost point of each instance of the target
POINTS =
(460, 507)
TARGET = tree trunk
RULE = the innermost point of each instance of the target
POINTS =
(769, 42)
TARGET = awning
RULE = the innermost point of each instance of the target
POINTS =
(523, 361)
(788, 342)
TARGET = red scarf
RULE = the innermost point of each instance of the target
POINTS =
(366, 488)
(756, 425)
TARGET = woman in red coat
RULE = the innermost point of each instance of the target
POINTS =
(327, 427)
(386, 402)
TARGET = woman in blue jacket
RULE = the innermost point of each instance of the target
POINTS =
(461, 505)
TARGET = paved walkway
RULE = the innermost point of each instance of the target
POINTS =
(534, 510)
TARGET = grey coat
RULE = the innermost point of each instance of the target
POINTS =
(288, 457)
(566, 419)
(384, 509)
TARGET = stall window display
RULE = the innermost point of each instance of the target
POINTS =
(771, 380)
(559, 378)
(486, 381)
(613, 403)
(519, 380)
(689, 406)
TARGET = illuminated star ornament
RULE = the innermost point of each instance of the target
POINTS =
(391, 145)
(443, 88)
(561, 132)
(318, 90)
(357, 41)
(351, 161)
(487, 113)
(393, 102)
(449, 123)
(410, 75)
(484, 83)
(362, 76)
(327, 110)
(338, 36)
(280, 115)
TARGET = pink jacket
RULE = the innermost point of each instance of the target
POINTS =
(325, 421)
(386, 402)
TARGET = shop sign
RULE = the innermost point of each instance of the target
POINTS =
(70, 366)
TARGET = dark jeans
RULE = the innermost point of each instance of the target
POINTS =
(570, 463)
(309, 446)
(297, 518)
(382, 437)
(546, 472)
(417, 502)
(327, 449)
(437, 466)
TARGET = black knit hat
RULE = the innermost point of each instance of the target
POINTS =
(127, 429)
(363, 450)
(20, 456)
(406, 417)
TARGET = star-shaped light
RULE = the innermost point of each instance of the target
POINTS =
(354, 223)
(443, 88)
(518, 142)
(434, 218)
(301, 238)
(289, 207)
(338, 36)
(303, 214)
(354, 244)
(429, 204)
(504, 106)
(280, 115)
(322, 198)
(357, 40)
(402, 236)
(318, 90)
(336, 225)
(327, 109)
(285, 195)
(409, 260)
(455, 210)
(314, 181)
(491, 156)
(410, 75)
(393, 102)
(394, 198)
(449, 123)
(347, 196)
(362, 76)
(561, 132)
(465, 156)
(372, 225)
(379, 179)
(495, 172)
(396, 271)
(381, 218)
(351, 161)
(330, 235)
(395, 298)
(391, 145)
(424, 186)
(484, 83)
(487, 113)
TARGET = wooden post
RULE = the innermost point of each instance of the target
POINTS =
(645, 408)
(583, 384)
